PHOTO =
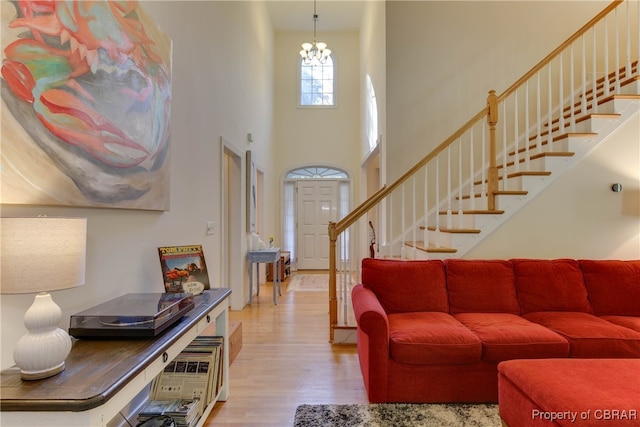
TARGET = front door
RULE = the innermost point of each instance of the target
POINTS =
(317, 206)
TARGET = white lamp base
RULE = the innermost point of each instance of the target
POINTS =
(42, 351)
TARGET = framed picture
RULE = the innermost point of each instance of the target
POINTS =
(251, 193)
(184, 269)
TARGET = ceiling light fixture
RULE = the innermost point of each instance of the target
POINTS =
(315, 52)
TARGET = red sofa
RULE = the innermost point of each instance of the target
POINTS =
(435, 331)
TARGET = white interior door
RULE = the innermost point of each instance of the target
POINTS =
(317, 206)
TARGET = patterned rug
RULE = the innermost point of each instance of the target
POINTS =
(398, 415)
(309, 282)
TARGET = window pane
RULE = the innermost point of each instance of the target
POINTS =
(317, 83)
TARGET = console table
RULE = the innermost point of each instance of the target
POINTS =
(269, 255)
(102, 376)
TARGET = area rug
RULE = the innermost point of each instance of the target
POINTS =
(309, 282)
(398, 415)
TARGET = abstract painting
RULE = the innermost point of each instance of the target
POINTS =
(86, 105)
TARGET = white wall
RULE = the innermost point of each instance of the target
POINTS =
(218, 90)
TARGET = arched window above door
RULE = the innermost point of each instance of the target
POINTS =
(317, 173)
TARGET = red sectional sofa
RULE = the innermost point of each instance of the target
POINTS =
(435, 331)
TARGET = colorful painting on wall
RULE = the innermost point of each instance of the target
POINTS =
(86, 105)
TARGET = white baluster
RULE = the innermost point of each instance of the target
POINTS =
(595, 71)
(414, 224)
(550, 112)
(516, 157)
(437, 243)
(449, 210)
(483, 179)
(584, 78)
(561, 97)
(572, 85)
(607, 89)
(472, 192)
(403, 228)
(425, 233)
(391, 237)
(504, 146)
(527, 156)
(460, 182)
(538, 115)
(617, 56)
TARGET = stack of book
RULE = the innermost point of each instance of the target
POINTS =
(184, 412)
(195, 374)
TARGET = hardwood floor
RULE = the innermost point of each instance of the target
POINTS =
(286, 360)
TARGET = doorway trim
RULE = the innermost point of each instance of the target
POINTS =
(232, 226)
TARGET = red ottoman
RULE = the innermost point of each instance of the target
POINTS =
(569, 392)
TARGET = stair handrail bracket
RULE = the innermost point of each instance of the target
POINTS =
(505, 155)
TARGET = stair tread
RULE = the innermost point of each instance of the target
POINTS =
(476, 212)
(431, 248)
(540, 155)
(454, 230)
(511, 193)
(511, 175)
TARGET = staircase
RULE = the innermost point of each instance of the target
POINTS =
(522, 178)
(501, 159)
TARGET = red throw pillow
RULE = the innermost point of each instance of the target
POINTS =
(406, 286)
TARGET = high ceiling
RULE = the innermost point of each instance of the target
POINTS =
(297, 15)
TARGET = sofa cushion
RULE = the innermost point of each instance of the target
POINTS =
(590, 336)
(631, 322)
(431, 338)
(481, 286)
(550, 285)
(507, 336)
(406, 286)
(613, 286)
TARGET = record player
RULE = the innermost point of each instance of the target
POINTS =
(131, 315)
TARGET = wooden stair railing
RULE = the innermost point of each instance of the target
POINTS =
(544, 127)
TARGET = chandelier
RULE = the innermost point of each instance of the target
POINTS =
(315, 52)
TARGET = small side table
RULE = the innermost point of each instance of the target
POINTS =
(267, 256)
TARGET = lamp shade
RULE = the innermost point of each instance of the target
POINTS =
(42, 254)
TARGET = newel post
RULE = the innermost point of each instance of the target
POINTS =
(492, 119)
(333, 300)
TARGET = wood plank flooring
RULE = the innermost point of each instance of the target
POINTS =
(286, 360)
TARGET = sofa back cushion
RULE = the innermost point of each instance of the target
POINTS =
(406, 286)
(613, 286)
(550, 285)
(481, 286)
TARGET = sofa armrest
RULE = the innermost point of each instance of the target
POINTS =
(373, 342)
(370, 315)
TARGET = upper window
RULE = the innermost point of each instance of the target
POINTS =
(317, 83)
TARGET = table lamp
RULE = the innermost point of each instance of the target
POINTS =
(41, 255)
